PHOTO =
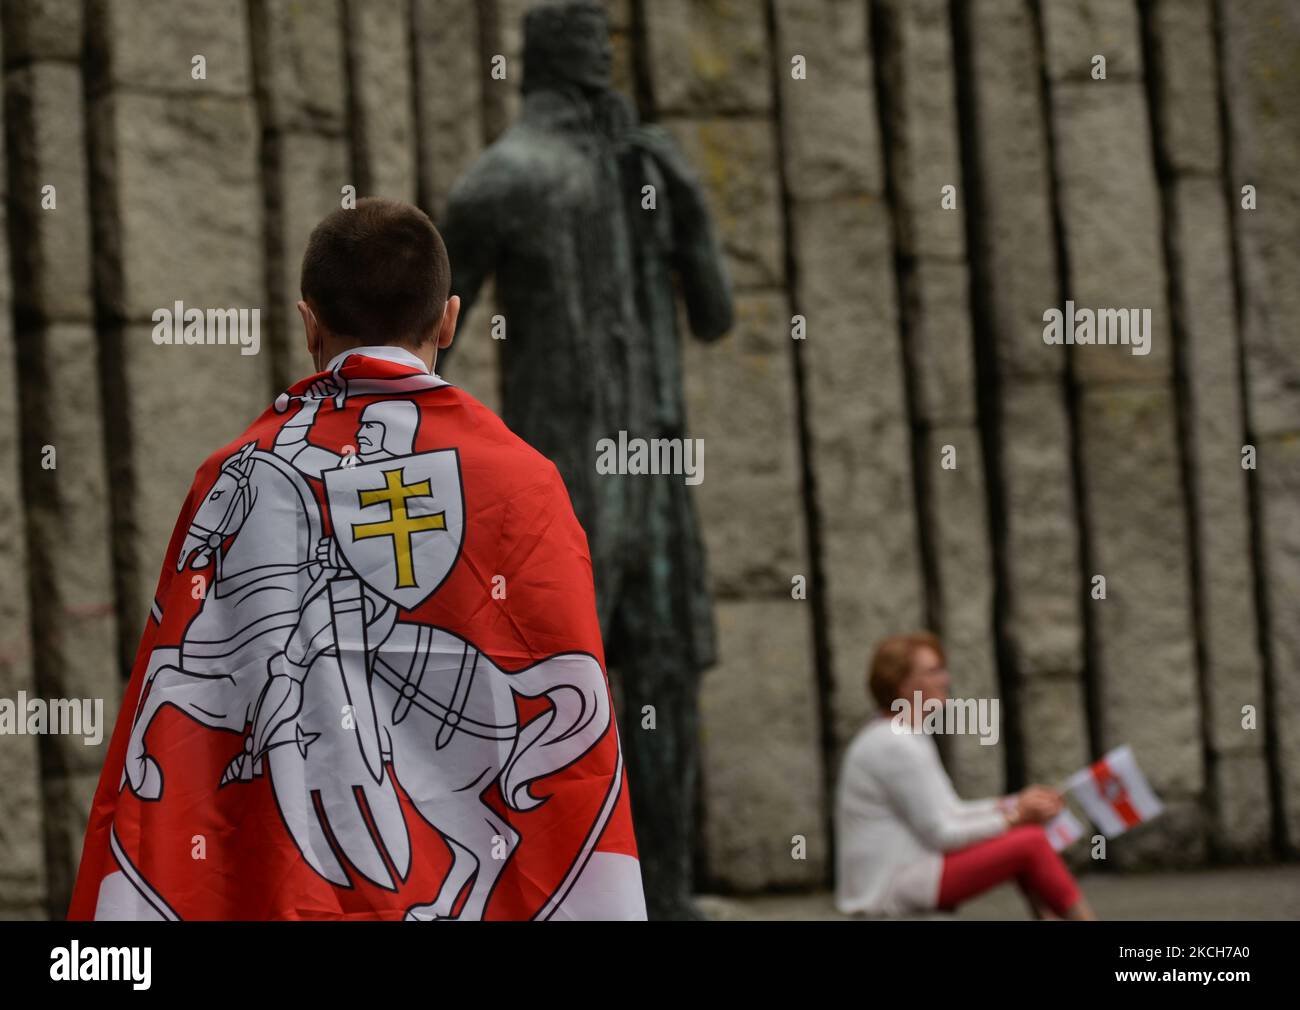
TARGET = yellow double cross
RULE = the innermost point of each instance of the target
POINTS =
(399, 525)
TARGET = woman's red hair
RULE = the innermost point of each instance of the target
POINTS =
(892, 663)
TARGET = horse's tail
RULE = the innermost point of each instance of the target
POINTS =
(575, 685)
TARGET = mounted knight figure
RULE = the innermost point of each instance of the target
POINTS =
(372, 683)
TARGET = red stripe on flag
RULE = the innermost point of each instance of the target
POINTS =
(1112, 790)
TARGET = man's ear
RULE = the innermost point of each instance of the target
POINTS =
(447, 328)
(311, 329)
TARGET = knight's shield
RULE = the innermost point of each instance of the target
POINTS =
(399, 523)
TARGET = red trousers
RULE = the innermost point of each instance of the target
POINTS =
(1022, 854)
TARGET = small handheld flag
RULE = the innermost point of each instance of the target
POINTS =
(1114, 793)
(1063, 830)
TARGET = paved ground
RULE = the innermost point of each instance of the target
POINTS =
(1271, 892)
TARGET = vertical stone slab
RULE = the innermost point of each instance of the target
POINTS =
(853, 381)
(760, 767)
(710, 77)
(65, 484)
(752, 523)
(1279, 487)
(22, 850)
(1078, 30)
(1015, 281)
(449, 100)
(920, 102)
(1109, 205)
(761, 776)
(1186, 85)
(1146, 656)
(1262, 88)
(622, 31)
(312, 172)
(378, 34)
(1262, 81)
(964, 606)
(449, 97)
(178, 218)
(301, 82)
(1044, 626)
(508, 41)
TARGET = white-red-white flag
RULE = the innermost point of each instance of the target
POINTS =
(1114, 793)
(1063, 830)
(347, 538)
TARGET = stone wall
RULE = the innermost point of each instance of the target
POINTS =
(904, 185)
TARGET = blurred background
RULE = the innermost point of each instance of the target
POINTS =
(903, 188)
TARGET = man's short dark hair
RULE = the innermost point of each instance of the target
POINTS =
(377, 273)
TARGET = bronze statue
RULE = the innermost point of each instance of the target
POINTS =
(556, 208)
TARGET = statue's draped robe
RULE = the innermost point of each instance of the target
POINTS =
(591, 348)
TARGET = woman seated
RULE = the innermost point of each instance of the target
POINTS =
(906, 842)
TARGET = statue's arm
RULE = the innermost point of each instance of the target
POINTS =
(705, 285)
(697, 254)
(470, 234)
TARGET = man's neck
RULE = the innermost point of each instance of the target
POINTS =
(427, 353)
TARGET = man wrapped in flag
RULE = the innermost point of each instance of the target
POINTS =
(372, 683)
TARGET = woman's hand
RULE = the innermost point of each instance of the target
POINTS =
(1036, 805)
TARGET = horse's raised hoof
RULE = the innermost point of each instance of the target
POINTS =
(422, 913)
(146, 783)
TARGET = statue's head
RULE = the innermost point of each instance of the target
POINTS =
(567, 43)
